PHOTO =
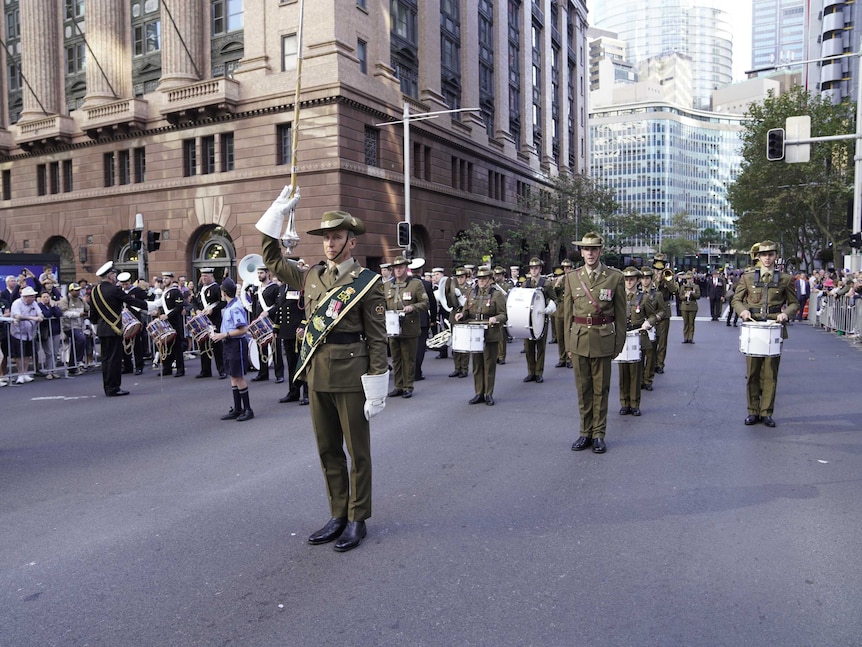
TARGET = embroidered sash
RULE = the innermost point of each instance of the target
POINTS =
(104, 309)
(334, 305)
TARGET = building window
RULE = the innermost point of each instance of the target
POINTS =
(404, 45)
(514, 33)
(450, 53)
(462, 174)
(190, 158)
(13, 25)
(372, 146)
(208, 157)
(226, 16)
(227, 159)
(486, 64)
(148, 37)
(108, 167)
(41, 180)
(54, 177)
(7, 184)
(362, 4)
(288, 52)
(67, 176)
(123, 168)
(284, 143)
(76, 58)
(140, 165)
(74, 9)
(362, 55)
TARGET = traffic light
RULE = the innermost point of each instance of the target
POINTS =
(153, 241)
(135, 240)
(856, 240)
(404, 234)
(775, 144)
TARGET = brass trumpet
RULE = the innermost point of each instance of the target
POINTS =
(667, 274)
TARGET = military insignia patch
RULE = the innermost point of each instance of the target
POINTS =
(379, 310)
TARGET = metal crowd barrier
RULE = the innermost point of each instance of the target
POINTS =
(841, 315)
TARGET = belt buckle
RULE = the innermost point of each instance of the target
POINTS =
(589, 320)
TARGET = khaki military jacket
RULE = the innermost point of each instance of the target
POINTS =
(688, 296)
(640, 308)
(483, 306)
(750, 293)
(662, 307)
(609, 293)
(409, 293)
(337, 367)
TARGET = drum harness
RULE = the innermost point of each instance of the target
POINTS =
(764, 310)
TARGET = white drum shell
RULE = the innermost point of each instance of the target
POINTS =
(631, 352)
(760, 339)
(393, 323)
(468, 338)
(525, 313)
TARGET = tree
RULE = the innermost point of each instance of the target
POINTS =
(475, 243)
(628, 229)
(800, 206)
(678, 239)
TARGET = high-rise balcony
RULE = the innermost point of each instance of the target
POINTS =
(44, 132)
(117, 117)
(204, 99)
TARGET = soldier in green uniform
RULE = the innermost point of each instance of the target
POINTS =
(486, 304)
(689, 293)
(662, 313)
(405, 295)
(764, 294)
(557, 318)
(667, 286)
(343, 353)
(502, 284)
(535, 348)
(640, 315)
(456, 297)
(594, 304)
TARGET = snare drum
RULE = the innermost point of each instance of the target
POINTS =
(468, 338)
(131, 325)
(200, 327)
(525, 312)
(393, 323)
(261, 330)
(760, 339)
(161, 332)
(631, 352)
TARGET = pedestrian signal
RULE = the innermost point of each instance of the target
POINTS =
(153, 241)
(135, 240)
(775, 144)
(404, 239)
(856, 240)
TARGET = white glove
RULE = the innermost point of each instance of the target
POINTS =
(271, 222)
(646, 325)
(551, 307)
(375, 388)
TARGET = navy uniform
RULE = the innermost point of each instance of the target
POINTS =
(764, 293)
(174, 303)
(134, 361)
(289, 324)
(209, 300)
(405, 295)
(689, 293)
(594, 305)
(535, 348)
(264, 305)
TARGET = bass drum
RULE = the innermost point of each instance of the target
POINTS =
(253, 355)
(525, 312)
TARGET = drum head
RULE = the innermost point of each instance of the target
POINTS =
(523, 306)
(253, 355)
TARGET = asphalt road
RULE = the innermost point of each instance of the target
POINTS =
(146, 520)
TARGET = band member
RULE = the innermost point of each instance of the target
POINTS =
(485, 304)
(406, 296)
(535, 348)
(761, 295)
(557, 318)
(174, 312)
(456, 297)
(209, 302)
(233, 334)
(504, 285)
(689, 293)
(264, 306)
(662, 312)
(716, 288)
(640, 315)
(290, 329)
(343, 354)
(440, 323)
(106, 304)
(139, 344)
(594, 303)
(426, 317)
(667, 287)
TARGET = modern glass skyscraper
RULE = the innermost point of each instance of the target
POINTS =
(699, 29)
(777, 32)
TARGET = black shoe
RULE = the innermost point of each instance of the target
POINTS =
(476, 399)
(179, 374)
(455, 374)
(462, 374)
(117, 393)
(659, 370)
(222, 376)
(125, 371)
(624, 411)
(332, 530)
(636, 411)
(489, 400)
(539, 379)
(408, 393)
(734, 324)
(530, 378)
(768, 421)
(582, 443)
(560, 365)
(752, 419)
(248, 414)
(418, 378)
(303, 401)
(260, 378)
(200, 375)
(646, 387)
(138, 371)
(231, 415)
(568, 365)
(690, 341)
(394, 393)
(599, 446)
(290, 397)
(728, 324)
(501, 361)
(351, 537)
(279, 380)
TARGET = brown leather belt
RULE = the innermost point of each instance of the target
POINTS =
(597, 320)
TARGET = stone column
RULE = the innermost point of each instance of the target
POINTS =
(185, 30)
(41, 59)
(107, 30)
(429, 54)
(501, 72)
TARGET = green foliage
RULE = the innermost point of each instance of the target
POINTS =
(475, 243)
(678, 240)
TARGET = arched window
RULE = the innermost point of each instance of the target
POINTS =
(213, 247)
(62, 248)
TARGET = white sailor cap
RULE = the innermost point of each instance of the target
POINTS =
(107, 267)
(122, 277)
